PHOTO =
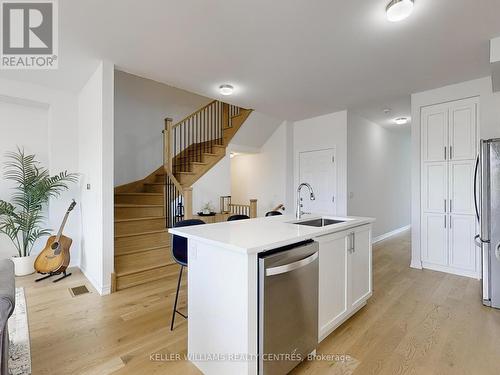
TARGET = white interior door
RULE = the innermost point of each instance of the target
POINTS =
(318, 169)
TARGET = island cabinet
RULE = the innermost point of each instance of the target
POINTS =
(345, 276)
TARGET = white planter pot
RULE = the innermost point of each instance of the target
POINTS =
(24, 265)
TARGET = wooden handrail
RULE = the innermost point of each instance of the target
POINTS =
(193, 114)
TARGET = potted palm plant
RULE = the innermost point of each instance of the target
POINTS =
(22, 218)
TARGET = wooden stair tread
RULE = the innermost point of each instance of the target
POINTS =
(133, 194)
(144, 250)
(141, 233)
(139, 219)
(142, 269)
(124, 282)
(132, 205)
(154, 183)
(186, 173)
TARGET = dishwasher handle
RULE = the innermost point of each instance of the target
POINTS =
(291, 266)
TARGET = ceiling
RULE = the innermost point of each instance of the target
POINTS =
(288, 58)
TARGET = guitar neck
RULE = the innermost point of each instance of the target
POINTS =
(63, 224)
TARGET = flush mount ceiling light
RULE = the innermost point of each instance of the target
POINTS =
(226, 89)
(398, 10)
(401, 121)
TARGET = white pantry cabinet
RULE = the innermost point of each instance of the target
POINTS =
(449, 144)
(345, 276)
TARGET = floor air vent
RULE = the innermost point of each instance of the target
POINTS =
(78, 290)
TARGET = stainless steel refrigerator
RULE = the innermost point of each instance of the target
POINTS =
(487, 199)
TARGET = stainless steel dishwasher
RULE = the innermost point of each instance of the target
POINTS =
(288, 307)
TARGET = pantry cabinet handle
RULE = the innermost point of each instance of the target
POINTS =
(451, 152)
(445, 221)
(445, 153)
(444, 204)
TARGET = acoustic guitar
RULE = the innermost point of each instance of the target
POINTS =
(54, 258)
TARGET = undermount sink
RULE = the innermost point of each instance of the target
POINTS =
(320, 222)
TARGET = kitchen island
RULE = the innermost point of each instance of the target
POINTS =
(223, 282)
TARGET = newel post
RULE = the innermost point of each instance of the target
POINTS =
(167, 142)
(188, 203)
(253, 208)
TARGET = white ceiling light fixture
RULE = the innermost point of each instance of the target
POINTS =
(401, 121)
(398, 10)
(226, 89)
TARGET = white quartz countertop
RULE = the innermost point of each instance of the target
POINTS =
(264, 233)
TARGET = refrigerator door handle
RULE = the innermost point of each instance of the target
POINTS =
(475, 188)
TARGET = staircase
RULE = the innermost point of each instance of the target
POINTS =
(145, 209)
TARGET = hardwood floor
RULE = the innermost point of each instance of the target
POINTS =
(417, 322)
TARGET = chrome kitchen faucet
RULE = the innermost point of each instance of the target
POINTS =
(299, 212)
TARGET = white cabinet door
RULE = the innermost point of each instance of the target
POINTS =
(435, 187)
(435, 239)
(435, 133)
(463, 251)
(461, 187)
(463, 129)
(359, 270)
(332, 281)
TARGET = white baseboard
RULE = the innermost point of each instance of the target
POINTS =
(453, 271)
(101, 289)
(390, 234)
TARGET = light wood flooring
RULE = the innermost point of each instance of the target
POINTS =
(417, 322)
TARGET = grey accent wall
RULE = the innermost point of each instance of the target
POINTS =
(378, 173)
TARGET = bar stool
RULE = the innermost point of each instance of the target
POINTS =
(179, 253)
(237, 217)
(273, 213)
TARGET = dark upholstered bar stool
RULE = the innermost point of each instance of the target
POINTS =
(273, 213)
(180, 255)
(237, 217)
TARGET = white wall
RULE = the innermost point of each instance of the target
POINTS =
(328, 131)
(262, 175)
(141, 106)
(211, 186)
(489, 127)
(255, 131)
(26, 124)
(95, 136)
(378, 173)
(57, 114)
